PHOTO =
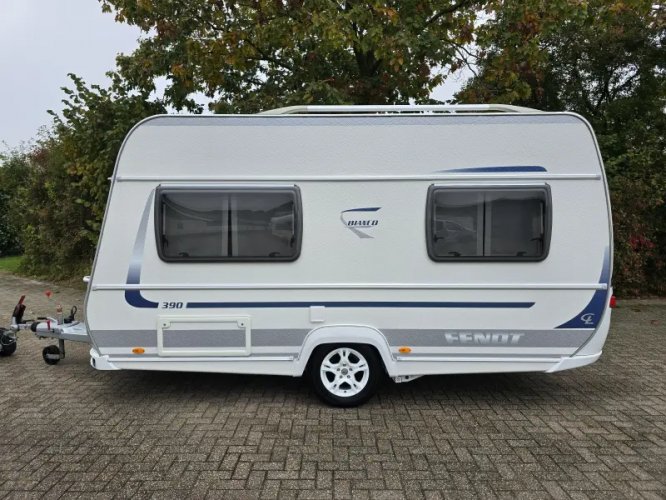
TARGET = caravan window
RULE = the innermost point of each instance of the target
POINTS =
(489, 224)
(248, 224)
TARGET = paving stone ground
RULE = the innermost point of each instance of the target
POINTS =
(595, 432)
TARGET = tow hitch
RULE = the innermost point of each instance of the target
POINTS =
(60, 329)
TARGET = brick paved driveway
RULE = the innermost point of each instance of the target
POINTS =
(595, 432)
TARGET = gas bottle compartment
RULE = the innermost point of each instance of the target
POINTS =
(204, 336)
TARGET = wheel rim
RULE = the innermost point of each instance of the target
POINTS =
(344, 372)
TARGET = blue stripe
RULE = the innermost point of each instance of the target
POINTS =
(135, 299)
(591, 315)
(464, 305)
(496, 169)
(367, 209)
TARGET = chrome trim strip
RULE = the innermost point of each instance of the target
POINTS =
(354, 178)
(488, 350)
(227, 185)
(398, 108)
(204, 359)
(353, 286)
(502, 359)
(485, 355)
(329, 119)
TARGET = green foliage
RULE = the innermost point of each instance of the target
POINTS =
(605, 60)
(601, 58)
(248, 56)
(13, 173)
(50, 226)
(60, 184)
(90, 132)
(10, 242)
(10, 264)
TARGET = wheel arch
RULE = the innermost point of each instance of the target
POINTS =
(346, 334)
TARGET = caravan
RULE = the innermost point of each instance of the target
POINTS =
(347, 243)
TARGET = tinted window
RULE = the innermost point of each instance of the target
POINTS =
(220, 224)
(488, 224)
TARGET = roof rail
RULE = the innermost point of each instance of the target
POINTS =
(400, 108)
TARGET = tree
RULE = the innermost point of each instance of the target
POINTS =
(60, 184)
(93, 125)
(52, 224)
(12, 172)
(604, 59)
(252, 55)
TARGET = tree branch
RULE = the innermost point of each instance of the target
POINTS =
(453, 8)
(267, 57)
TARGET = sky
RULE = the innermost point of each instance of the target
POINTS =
(41, 41)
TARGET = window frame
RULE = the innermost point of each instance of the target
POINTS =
(430, 214)
(298, 220)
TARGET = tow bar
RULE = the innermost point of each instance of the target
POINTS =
(60, 329)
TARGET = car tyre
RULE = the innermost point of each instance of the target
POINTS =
(51, 355)
(8, 344)
(345, 375)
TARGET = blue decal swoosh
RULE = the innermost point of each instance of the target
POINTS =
(482, 305)
(591, 315)
(366, 209)
(358, 231)
(511, 169)
(134, 297)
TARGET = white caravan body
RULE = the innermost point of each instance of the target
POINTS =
(450, 242)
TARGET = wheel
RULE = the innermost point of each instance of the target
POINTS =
(7, 344)
(51, 355)
(345, 375)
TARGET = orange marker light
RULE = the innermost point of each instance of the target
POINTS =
(405, 350)
(138, 350)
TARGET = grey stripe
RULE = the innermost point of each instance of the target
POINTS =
(263, 338)
(350, 121)
(395, 338)
(148, 338)
(226, 338)
(125, 338)
(203, 338)
(487, 338)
